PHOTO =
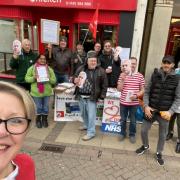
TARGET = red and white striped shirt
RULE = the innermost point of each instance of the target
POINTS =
(131, 86)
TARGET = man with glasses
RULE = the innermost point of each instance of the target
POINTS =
(161, 100)
(110, 64)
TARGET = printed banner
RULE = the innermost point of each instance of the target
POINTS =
(67, 109)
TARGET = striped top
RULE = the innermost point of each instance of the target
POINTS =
(131, 86)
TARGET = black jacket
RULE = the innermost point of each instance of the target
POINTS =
(108, 60)
(99, 83)
(162, 90)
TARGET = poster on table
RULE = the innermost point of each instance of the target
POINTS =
(50, 31)
(67, 108)
(111, 116)
(111, 111)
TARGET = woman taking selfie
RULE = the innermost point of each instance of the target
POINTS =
(17, 111)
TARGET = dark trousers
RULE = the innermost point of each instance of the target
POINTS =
(163, 129)
(176, 117)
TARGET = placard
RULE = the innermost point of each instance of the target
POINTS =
(50, 31)
(111, 116)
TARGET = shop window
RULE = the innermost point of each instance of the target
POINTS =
(8, 32)
(104, 32)
(30, 31)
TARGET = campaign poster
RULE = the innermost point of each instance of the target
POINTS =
(111, 116)
(67, 109)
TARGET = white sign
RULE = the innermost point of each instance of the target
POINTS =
(50, 31)
(42, 74)
(125, 53)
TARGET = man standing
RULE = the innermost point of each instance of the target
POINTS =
(78, 58)
(161, 99)
(131, 84)
(110, 64)
(62, 57)
(93, 88)
(21, 62)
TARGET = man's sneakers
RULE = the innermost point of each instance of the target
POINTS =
(87, 138)
(159, 159)
(121, 137)
(132, 139)
(142, 150)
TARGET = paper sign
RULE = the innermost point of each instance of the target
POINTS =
(42, 74)
(129, 94)
(50, 31)
(125, 52)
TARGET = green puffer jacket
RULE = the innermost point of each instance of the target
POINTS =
(29, 78)
(21, 64)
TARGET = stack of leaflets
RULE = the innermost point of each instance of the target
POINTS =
(113, 93)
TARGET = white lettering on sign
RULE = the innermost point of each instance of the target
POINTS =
(47, 1)
(78, 3)
(112, 128)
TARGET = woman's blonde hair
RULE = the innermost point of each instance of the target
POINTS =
(22, 95)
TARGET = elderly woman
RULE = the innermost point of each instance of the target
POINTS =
(17, 111)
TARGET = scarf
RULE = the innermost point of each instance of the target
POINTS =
(40, 85)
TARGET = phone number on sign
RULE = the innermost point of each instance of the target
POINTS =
(78, 3)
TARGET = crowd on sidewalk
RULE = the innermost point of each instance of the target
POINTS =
(92, 73)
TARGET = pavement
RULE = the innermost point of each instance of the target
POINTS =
(60, 154)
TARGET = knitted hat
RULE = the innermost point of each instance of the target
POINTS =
(91, 54)
(63, 38)
(168, 58)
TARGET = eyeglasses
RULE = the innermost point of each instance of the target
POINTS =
(166, 62)
(16, 125)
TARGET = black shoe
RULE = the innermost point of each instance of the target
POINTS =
(38, 121)
(169, 136)
(38, 124)
(44, 121)
(142, 149)
(159, 159)
(177, 150)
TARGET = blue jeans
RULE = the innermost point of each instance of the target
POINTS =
(124, 112)
(88, 112)
(42, 105)
(61, 78)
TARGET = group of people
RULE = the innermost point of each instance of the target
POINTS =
(103, 69)
(60, 64)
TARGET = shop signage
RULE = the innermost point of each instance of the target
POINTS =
(57, 3)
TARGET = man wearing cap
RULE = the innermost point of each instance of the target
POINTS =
(93, 88)
(62, 57)
(161, 100)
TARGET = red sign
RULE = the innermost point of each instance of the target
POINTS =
(56, 3)
(122, 5)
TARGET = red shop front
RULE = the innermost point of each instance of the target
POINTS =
(74, 17)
